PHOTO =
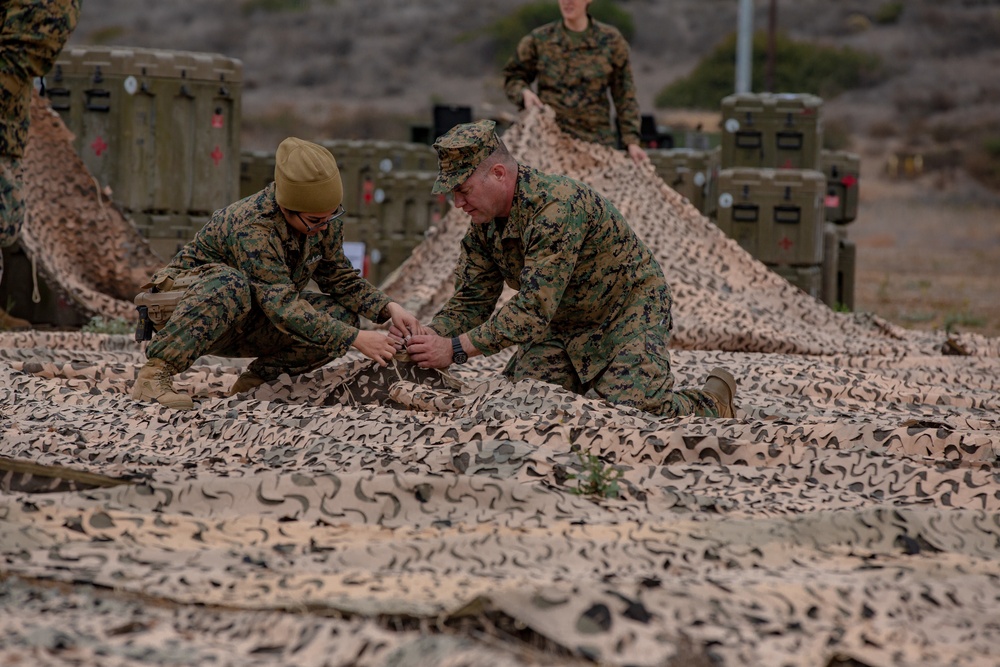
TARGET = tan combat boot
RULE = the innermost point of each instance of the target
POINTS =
(10, 323)
(721, 386)
(154, 384)
(245, 382)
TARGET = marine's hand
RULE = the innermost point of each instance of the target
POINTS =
(531, 100)
(430, 350)
(402, 319)
(401, 337)
(638, 154)
(376, 346)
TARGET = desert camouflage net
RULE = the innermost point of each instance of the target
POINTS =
(357, 515)
(79, 242)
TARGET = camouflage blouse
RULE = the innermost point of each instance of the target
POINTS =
(574, 73)
(33, 35)
(252, 235)
(582, 276)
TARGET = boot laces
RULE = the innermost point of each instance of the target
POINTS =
(163, 380)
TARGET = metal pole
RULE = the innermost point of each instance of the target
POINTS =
(772, 30)
(744, 46)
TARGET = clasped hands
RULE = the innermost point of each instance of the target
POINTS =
(423, 345)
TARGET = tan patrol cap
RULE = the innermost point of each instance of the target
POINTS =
(306, 177)
(460, 150)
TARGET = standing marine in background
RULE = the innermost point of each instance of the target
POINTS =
(576, 62)
(32, 37)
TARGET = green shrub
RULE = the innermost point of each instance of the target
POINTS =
(992, 147)
(596, 477)
(251, 6)
(982, 161)
(98, 324)
(508, 31)
(800, 67)
(889, 13)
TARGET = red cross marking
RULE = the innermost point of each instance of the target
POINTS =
(786, 244)
(217, 156)
(99, 146)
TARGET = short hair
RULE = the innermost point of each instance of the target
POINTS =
(500, 155)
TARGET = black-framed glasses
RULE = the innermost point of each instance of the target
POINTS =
(320, 225)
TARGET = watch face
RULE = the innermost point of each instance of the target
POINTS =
(458, 355)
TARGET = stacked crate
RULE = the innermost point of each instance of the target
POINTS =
(387, 195)
(160, 128)
(782, 197)
(843, 173)
(686, 170)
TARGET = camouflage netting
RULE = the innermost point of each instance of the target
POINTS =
(849, 514)
(79, 242)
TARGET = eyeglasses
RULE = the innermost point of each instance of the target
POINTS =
(320, 225)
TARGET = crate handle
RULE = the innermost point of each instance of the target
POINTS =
(63, 94)
(787, 215)
(746, 213)
(97, 93)
(790, 141)
(749, 139)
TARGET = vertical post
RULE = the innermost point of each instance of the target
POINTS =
(772, 37)
(744, 46)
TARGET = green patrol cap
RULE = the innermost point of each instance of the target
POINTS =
(460, 150)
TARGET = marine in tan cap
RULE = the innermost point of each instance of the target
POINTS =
(239, 285)
(592, 309)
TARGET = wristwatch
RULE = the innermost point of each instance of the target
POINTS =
(458, 355)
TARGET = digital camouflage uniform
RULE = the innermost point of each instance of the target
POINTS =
(248, 301)
(33, 34)
(592, 309)
(574, 71)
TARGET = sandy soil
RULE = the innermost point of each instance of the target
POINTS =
(928, 256)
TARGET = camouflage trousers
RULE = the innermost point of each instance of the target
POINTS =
(217, 316)
(11, 203)
(639, 376)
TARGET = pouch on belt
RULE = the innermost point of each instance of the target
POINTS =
(156, 303)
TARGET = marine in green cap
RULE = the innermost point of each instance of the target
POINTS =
(575, 63)
(242, 283)
(592, 309)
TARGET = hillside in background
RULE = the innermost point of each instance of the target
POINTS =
(358, 68)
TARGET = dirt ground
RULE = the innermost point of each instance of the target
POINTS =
(928, 254)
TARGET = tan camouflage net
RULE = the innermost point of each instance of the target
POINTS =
(80, 243)
(850, 514)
